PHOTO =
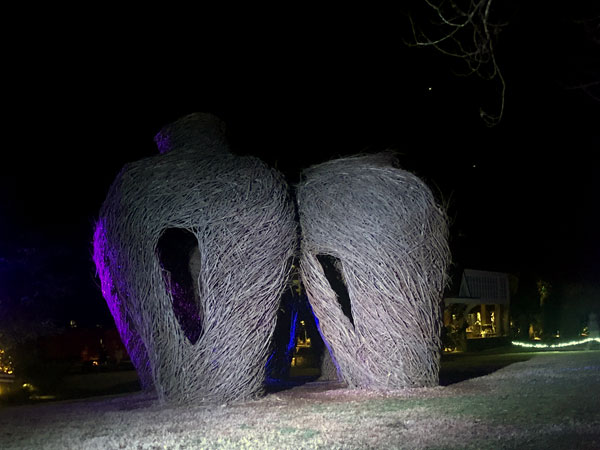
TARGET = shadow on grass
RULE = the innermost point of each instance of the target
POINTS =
(72, 386)
(457, 367)
(272, 386)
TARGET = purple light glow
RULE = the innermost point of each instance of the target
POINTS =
(102, 260)
(104, 257)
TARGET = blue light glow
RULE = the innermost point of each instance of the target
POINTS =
(292, 341)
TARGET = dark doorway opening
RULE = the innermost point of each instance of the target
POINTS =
(297, 349)
(180, 259)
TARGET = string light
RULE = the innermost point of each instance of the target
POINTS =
(562, 344)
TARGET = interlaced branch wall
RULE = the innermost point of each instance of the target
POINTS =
(383, 231)
(241, 218)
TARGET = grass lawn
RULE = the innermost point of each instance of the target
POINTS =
(546, 400)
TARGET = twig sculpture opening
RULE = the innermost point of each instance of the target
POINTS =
(383, 230)
(180, 260)
(196, 316)
(332, 269)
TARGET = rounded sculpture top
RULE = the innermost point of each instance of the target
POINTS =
(195, 131)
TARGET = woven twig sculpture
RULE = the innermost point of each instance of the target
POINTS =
(382, 230)
(241, 220)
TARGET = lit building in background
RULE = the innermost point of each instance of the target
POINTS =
(482, 308)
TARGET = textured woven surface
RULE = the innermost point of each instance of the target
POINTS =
(241, 215)
(389, 241)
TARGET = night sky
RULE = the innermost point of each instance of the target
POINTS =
(522, 197)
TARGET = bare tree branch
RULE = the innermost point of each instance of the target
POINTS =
(591, 27)
(467, 34)
(587, 89)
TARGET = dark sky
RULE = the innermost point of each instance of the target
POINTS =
(522, 196)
